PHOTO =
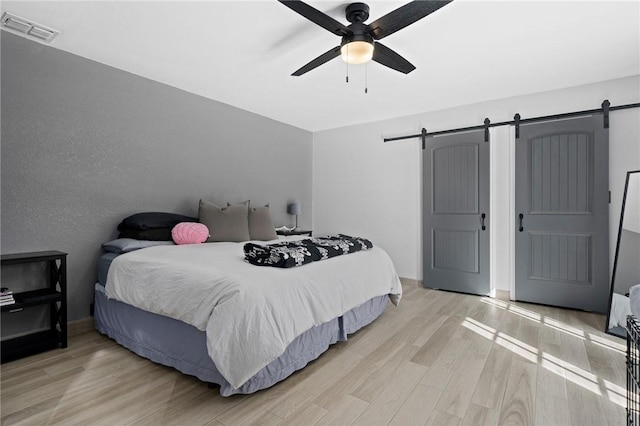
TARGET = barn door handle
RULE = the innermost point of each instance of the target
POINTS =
(482, 216)
(521, 216)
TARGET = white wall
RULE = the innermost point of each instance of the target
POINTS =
(625, 127)
(366, 187)
(632, 207)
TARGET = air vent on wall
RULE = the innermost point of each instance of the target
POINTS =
(28, 28)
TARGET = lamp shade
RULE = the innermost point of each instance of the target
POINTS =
(294, 209)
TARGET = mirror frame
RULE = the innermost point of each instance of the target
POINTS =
(615, 259)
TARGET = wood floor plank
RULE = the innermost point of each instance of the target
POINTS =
(319, 375)
(263, 417)
(368, 365)
(432, 324)
(431, 350)
(413, 329)
(549, 334)
(457, 395)
(492, 383)
(551, 410)
(308, 414)
(346, 410)
(584, 405)
(449, 357)
(438, 418)
(190, 400)
(477, 415)
(491, 312)
(438, 358)
(384, 406)
(447, 302)
(376, 383)
(518, 405)
(19, 397)
(393, 321)
(418, 406)
(551, 371)
(529, 330)
(127, 402)
(576, 362)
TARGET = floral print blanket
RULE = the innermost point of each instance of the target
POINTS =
(288, 254)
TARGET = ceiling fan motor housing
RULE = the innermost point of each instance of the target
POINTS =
(360, 32)
(357, 12)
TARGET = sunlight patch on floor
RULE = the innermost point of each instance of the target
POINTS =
(525, 313)
(565, 328)
(617, 394)
(495, 302)
(555, 324)
(502, 339)
(608, 344)
(558, 366)
(575, 374)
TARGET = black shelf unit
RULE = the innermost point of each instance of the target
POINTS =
(54, 295)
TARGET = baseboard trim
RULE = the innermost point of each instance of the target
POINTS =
(503, 295)
(80, 326)
(410, 281)
(499, 294)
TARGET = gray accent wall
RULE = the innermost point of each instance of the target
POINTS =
(85, 144)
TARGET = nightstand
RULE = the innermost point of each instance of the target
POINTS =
(53, 293)
(295, 232)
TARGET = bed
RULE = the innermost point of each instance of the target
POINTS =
(205, 311)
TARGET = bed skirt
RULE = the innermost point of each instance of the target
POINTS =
(176, 344)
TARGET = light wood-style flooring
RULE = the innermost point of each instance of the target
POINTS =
(438, 359)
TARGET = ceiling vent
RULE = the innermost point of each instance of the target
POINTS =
(28, 28)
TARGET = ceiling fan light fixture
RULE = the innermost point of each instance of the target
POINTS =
(357, 52)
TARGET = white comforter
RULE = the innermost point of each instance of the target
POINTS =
(250, 313)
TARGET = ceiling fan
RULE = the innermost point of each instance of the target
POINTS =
(359, 40)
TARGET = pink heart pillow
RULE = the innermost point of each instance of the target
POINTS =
(190, 233)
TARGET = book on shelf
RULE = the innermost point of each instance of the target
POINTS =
(6, 297)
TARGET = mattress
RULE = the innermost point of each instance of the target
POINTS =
(104, 261)
(179, 345)
(250, 313)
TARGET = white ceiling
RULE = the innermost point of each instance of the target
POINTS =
(243, 52)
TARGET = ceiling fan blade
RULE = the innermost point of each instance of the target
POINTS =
(387, 57)
(325, 57)
(317, 17)
(404, 16)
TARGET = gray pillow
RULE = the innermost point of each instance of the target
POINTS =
(260, 224)
(125, 245)
(230, 223)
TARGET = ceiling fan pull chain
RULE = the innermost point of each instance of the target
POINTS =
(347, 79)
(366, 78)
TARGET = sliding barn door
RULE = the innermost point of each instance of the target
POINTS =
(562, 214)
(456, 213)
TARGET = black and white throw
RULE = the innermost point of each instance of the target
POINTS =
(288, 254)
